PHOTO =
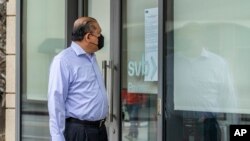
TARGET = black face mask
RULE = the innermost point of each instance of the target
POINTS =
(100, 42)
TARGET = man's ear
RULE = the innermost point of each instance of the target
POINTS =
(87, 35)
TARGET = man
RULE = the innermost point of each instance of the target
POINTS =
(77, 99)
(199, 87)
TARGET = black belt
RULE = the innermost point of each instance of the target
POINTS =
(98, 123)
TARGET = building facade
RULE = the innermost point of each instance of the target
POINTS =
(175, 70)
(2, 68)
(10, 94)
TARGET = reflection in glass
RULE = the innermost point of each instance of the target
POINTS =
(200, 74)
(133, 103)
(138, 116)
(208, 46)
(200, 88)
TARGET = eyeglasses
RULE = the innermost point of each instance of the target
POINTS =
(95, 35)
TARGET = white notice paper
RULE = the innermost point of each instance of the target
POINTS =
(151, 44)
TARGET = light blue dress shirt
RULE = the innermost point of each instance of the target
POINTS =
(76, 89)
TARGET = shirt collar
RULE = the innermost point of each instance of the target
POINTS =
(78, 50)
(204, 53)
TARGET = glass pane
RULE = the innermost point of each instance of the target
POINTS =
(102, 15)
(207, 89)
(43, 37)
(139, 70)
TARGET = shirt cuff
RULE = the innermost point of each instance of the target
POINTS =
(57, 138)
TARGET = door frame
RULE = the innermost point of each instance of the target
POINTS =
(160, 100)
(115, 44)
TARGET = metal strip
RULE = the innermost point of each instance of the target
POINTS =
(18, 69)
(71, 13)
(160, 69)
(115, 47)
(111, 113)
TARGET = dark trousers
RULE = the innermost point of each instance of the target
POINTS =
(208, 130)
(79, 132)
(212, 130)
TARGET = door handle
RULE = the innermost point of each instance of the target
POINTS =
(104, 72)
(105, 66)
(159, 107)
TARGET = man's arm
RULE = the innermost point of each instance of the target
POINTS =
(57, 93)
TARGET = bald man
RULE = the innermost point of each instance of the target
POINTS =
(77, 99)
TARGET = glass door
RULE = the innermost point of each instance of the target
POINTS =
(139, 70)
(132, 72)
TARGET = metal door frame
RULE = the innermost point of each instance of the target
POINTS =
(115, 44)
(160, 102)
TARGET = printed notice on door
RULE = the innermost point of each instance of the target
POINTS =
(142, 48)
(151, 44)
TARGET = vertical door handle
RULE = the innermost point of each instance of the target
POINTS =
(104, 72)
(104, 68)
(159, 106)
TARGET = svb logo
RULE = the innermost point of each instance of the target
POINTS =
(239, 133)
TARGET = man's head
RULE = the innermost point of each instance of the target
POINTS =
(87, 33)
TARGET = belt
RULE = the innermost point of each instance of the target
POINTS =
(98, 123)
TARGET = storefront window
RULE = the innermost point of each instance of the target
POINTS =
(43, 35)
(206, 62)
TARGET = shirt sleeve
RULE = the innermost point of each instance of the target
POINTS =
(228, 91)
(57, 93)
